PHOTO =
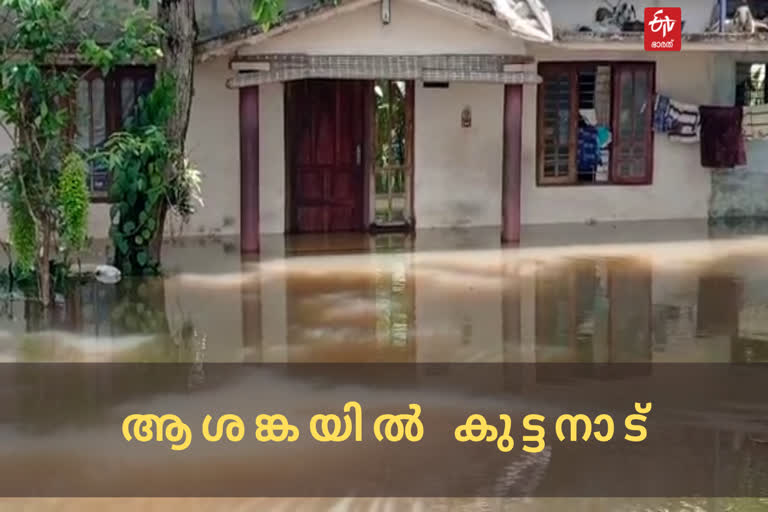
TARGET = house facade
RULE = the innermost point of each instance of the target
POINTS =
(426, 114)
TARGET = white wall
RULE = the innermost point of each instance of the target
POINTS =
(271, 159)
(458, 170)
(5, 142)
(213, 143)
(681, 186)
(414, 29)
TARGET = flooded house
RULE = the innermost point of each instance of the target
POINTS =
(439, 116)
(421, 114)
(482, 125)
(413, 114)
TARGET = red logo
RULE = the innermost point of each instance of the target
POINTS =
(663, 29)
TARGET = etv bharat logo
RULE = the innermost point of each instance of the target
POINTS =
(663, 29)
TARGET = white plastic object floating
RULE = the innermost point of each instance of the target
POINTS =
(107, 274)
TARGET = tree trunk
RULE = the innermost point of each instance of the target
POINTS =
(44, 265)
(177, 18)
(156, 244)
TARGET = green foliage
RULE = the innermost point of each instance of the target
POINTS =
(23, 234)
(390, 122)
(137, 159)
(20, 279)
(36, 99)
(156, 108)
(73, 202)
(266, 12)
(139, 309)
(185, 191)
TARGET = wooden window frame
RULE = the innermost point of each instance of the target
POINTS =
(650, 68)
(573, 68)
(113, 103)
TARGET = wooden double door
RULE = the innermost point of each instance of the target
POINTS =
(326, 130)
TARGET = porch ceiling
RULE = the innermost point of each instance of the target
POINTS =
(510, 69)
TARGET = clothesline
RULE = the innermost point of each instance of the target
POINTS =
(681, 121)
(721, 131)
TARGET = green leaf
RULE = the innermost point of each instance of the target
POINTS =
(122, 245)
(139, 240)
(257, 10)
(129, 227)
(142, 258)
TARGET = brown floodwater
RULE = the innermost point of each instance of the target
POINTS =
(436, 297)
(635, 292)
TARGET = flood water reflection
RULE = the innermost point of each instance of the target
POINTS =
(386, 299)
(646, 292)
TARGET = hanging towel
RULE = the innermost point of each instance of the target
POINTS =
(604, 136)
(661, 118)
(681, 121)
(755, 123)
(589, 149)
(722, 143)
(684, 122)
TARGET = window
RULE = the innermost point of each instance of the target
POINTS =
(103, 107)
(759, 8)
(393, 150)
(594, 123)
(750, 84)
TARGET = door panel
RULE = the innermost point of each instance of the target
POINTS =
(312, 219)
(320, 100)
(326, 123)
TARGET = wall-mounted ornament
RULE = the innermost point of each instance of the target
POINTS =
(466, 117)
